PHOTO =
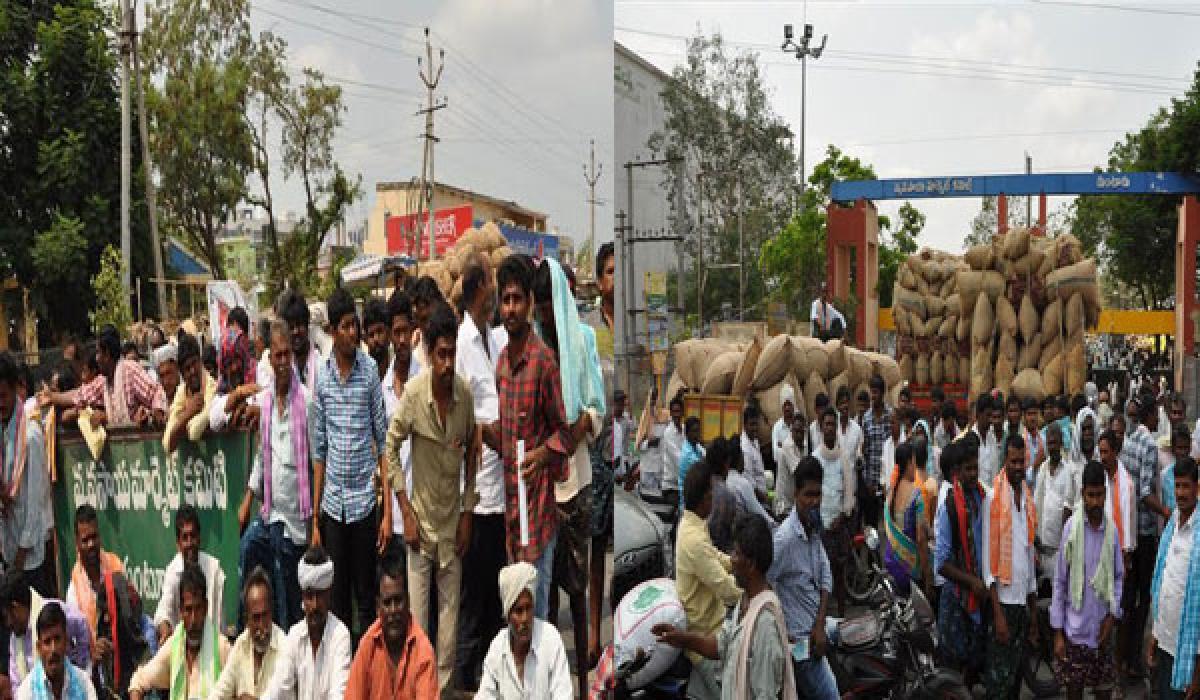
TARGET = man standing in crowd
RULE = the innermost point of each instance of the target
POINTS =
(1120, 500)
(533, 436)
(601, 319)
(802, 578)
(529, 646)
(187, 541)
(282, 478)
(1087, 578)
(480, 617)
(377, 335)
(783, 427)
(294, 312)
(958, 528)
(98, 577)
(1140, 457)
(1172, 648)
(25, 519)
(437, 412)
(752, 646)
(349, 448)
(394, 658)
(673, 450)
(574, 347)
(703, 576)
(53, 676)
(189, 660)
(837, 501)
(1009, 525)
(752, 459)
(691, 454)
(189, 416)
(877, 428)
(404, 366)
(258, 648)
(1053, 497)
(315, 663)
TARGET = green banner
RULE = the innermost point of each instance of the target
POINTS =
(136, 490)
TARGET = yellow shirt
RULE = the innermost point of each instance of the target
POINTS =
(197, 426)
(702, 576)
(438, 451)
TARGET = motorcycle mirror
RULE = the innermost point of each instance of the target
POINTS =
(872, 538)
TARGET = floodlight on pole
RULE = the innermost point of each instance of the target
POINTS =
(802, 51)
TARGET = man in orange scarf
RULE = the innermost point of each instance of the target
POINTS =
(110, 604)
(1009, 524)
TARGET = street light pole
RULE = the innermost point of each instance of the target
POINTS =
(802, 51)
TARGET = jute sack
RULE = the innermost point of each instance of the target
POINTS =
(1027, 320)
(983, 321)
(493, 237)
(972, 283)
(1052, 320)
(922, 368)
(949, 368)
(886, 367)
(1080, 277)
(1052, 376)
(979, 257)
(933, 327)
(814, 386)
(949, 287)
(948, 328)
(773, 363)
(1005, 371)
(937, 366)
(499, 255)
(911, 302)
(858, 366)
(837, 358)
(692, 358)
(908, 370)
(935, 305)
(749, 363)
(1047, 266)
(954, 305)
(981, 372)
(906, 278)
(1016, 243)
(923, 287)
(1075, 315)
(1067, 250)
(1052, 350)
(1008, 347)
(1028, 385)
(718, 379)
(674, 386)
(1076, 367)
(893, 395)
(835, 384)
(772, 407)
(1006, 316)
(964, 368)
(1029, 354)
(816, 358)
(901, 320)
(963, 332)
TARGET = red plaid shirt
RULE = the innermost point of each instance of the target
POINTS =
(531, 409)
(140, 390)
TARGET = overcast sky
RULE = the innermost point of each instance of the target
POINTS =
(950, 88)
(528, 83)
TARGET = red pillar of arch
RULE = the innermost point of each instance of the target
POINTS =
(1187, 306)
(852, 264)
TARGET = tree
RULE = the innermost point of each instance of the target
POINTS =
(733, 157)
(986, 222)
(112, 301)
(895, 248)
(60, 120)
(793, 262)
(199, 54)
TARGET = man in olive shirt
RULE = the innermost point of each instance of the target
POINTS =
(437, 412)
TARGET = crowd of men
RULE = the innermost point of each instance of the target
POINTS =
(417, 493)
(978, 511)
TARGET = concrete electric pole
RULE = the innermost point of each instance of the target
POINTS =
(126, 42)
(802, 51)
(591, 175)
(431, 76)
(148, 167)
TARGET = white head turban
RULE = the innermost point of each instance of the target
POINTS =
(515, 578)
(315, 578)
(786, 394)
(165, 353)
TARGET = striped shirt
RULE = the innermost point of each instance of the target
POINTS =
(349, 432)
(1139, 455)
(876, 430)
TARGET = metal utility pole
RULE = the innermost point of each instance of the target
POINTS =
(681, 226)
(802, 51)
(1028, 199)
(430, 76)
(621, 294)
(148, 166)
(125, 38)
(741, 256)
(591, 176)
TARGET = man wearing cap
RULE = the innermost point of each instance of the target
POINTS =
(315, 664)
(826, 320)
(527, 659)
(166, 368)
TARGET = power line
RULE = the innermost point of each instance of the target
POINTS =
(1122, 8)
(979, 137)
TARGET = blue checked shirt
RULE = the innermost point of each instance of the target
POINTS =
(799, 573)
(1139, 454)
(349, 433)
(876, 431)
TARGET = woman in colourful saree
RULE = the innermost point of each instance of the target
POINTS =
(906, 552)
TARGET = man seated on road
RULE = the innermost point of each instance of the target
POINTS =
(21, 606)
(52, 678)
(395, 659)
(254, 655)
(187, 541)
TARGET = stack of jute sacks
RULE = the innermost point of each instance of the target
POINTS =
(762, 368)
(448, 270)
(1020, 306)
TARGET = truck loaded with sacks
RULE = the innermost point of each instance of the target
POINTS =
(761, 368)
(1010, 314)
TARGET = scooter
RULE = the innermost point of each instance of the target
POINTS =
(888, 651)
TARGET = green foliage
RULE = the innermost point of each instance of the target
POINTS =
(987, 222)
(895, 246)
(112, 298)
(60, 117)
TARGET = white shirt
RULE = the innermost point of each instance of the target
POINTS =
(851, 439)
(477, 367)
(943, 493)
(1174, 585)
(390, 402)
(546, 675)
(238, 677)
(168, 603)
(302, 675)
(1052, 495)
(265, 374)
(74, 677)
(285, 494)
(752, 459)
(887, 463)
(672, 444)
(780, 432)
(830, 313)
(1024, 580)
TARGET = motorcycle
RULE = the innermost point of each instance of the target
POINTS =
(888, 651)
(1037, 664)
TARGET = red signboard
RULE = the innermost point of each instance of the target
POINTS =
(448, 225)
